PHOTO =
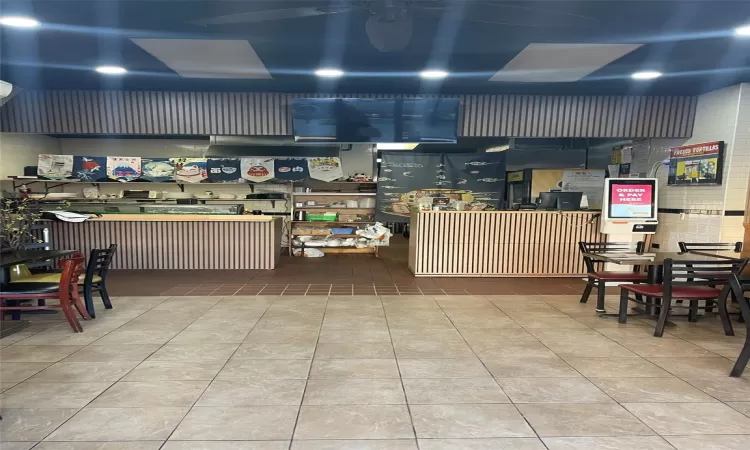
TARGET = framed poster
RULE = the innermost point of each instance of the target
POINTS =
(696, 165)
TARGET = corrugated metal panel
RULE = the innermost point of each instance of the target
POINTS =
(177, 245)
(245, 113)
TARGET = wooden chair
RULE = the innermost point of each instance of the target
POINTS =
(65, 291)
(600, 278)
(710, 246)
(691, 281)
(744, 359)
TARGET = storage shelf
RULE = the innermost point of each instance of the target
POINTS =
(338, 194)
(320, 208)
(317, 222)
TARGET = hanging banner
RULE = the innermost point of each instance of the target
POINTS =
(90, 168)
(190, 170)
(123, 168)
(325, 169)
(55, 167)
(223, 170)
(291, 169)
(257, 170)
(589, 182)
(157, 169)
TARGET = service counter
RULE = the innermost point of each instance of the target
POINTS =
(500, 243)
(177, 241)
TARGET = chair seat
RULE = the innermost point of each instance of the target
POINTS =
(618, 276)
(678, 292)
(19, 288)
(52, 277)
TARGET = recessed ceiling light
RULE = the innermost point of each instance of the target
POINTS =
(111, 70)
(329, 73)
(648, 75)
(742, 31)
(19, 21)
(433, 74)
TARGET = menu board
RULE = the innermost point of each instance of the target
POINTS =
(589, 182)
(694, 165)
(631, 200)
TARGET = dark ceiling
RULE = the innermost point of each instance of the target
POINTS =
(690, 41)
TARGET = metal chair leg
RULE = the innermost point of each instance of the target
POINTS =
(663, 314)
(723, 313)
(622, 317)
(693, 311)
(105, 295)
(742, 360)
(601, 291)
(89, 299)
(587, 290)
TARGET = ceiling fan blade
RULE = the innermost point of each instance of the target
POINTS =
(511, 15)
(269, 15)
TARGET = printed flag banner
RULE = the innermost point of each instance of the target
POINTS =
(90, 168)
(123, 168)
(325, 169)
(257, 169)
(223, 170)
(291, 169)
(190, 170)
(55, 167)
(157, 169)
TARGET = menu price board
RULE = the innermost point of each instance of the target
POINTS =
(694, 165)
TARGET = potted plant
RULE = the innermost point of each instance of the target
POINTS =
(17, 217)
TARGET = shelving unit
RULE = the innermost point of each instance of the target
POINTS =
(327, 198)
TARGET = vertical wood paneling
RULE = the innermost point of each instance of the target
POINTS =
(177, 245)
(499, 243)
(201, 113)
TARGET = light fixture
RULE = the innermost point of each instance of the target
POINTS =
(396, 145)
(647, 75)
(329, 73)
(742, 31)
(433, 74)
(111, 70)
(19, 21)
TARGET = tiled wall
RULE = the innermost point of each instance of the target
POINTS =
(722, 115)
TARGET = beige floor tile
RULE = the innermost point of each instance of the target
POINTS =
(354, 350)
(121, 352)
(174, 371)
(226, 445)
(284, 336)
(241, 424)
(492, 350)
(31, 424)
(425, 334)
(120, 424)
(37, 353)
(432, 349)
(18, 445)
(64, 336)
(148, 445)
(738, 442)
(194, 352)
(274, 351)
(188, 336)
(17, 372)
(354, 422)
(469, 421)
(51, 395)
(453, 390)
(665, 348)
(482, 444)
(133, 337)
(616, 367)
(442, 368)
(5, 386)
(529, 367)
(743, 407)
(607, 443)
(380, 444)
(532, 321)
(464, 302)
(725, 389)
(379, 334)
(552, 390)
(253, 393)
(603, 348)
(695, 367)
(354, 391)
(141, 394)
(690, 418)
(354, 368)
(582, 419)
(270, 369)
(84, 372)
(666, 390)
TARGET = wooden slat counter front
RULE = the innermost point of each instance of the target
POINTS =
(172, 241)
(500, 243)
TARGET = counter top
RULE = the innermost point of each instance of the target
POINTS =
(183, 218)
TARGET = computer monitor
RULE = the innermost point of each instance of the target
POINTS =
(548, 200)
(569, 201)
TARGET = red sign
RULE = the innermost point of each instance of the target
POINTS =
(632, 194)
(695, 150)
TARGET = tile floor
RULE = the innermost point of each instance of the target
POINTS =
(369, 372)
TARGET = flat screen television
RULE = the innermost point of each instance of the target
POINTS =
(696, 165)
(375, 120)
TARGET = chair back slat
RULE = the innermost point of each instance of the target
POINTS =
(72, 269)
(99, 262)
(700, 272)
(710, 246)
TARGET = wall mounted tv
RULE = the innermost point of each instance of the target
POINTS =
(696, 165)
(375, 120)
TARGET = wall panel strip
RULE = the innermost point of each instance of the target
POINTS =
(177, 245)
(496, 244)
(252, 113)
